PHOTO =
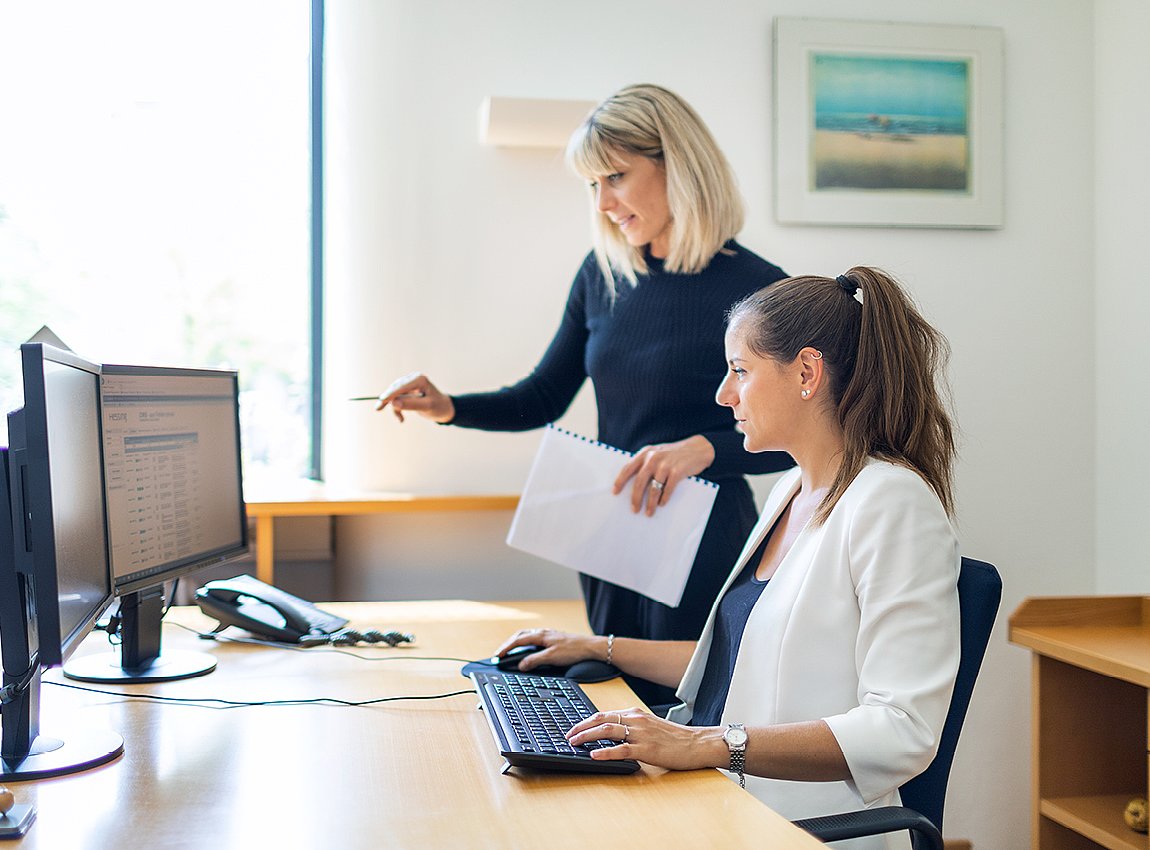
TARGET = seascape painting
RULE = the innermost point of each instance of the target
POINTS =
(889, 123)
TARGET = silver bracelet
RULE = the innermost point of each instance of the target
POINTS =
(610, 647)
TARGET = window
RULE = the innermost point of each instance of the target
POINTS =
(155, 197)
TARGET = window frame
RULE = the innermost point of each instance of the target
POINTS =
(317, 233)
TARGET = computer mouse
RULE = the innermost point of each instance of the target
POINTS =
(586, 672)
(511, 660)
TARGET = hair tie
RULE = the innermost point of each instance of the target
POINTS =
(848, 285)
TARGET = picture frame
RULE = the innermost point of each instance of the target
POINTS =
(888, 124)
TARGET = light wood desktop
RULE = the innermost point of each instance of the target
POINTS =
(1090, 717)
(311, 498)
(411, 774)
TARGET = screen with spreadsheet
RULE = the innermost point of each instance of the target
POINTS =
(172, 471)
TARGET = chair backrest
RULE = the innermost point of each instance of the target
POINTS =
(979, 592)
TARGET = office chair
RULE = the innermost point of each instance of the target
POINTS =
(979, 592)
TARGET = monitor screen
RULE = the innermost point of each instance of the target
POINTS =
(172, 470)
(58, 483)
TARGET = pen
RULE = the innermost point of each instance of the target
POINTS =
(417, 394)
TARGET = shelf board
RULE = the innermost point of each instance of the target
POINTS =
(1098, 818)
(1107, 635)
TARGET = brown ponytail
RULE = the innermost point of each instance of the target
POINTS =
(883, 358)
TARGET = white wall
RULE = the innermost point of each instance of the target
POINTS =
(454, 258)
(1122, 289)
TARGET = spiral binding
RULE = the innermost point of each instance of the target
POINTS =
(552, 426)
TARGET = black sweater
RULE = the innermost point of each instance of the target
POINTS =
(655, 358)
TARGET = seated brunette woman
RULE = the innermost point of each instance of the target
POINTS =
(824, 673)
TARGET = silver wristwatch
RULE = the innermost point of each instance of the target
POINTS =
(736, 738)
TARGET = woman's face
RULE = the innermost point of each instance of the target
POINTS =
(762, 393)
(634, 198)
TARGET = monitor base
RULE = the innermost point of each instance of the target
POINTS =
(81, 749)
(168, 666)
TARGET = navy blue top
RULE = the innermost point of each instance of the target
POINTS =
(655, 358)
(730, 622)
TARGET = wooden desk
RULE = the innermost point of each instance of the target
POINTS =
(313, 499)
(1090, 717)
(395, 775)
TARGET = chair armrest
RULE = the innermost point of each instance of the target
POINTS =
(924, 834)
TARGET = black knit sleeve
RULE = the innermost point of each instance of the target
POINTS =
(545, 394)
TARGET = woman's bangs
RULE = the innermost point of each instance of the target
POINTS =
(591, 155)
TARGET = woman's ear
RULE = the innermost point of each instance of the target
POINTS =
(811, 372)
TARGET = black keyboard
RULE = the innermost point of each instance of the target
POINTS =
(529, 716)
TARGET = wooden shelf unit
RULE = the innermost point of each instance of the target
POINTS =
(1090, 717)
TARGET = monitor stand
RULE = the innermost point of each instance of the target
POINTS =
(140, 658)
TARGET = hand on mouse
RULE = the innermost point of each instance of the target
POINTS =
(560, 649)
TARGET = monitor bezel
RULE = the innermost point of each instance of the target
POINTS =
(32, 479)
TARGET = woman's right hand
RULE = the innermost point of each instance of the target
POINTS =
(417, 394)
(559, 648)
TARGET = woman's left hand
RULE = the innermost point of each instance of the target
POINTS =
(658, 469)
(651, 739)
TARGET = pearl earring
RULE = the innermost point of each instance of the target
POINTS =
(806, 393)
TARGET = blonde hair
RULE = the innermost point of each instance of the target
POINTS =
(706, 209)
(885, 363)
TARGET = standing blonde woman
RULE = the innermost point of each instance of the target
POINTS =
(644, 321)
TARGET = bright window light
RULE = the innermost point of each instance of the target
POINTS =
(154, 196)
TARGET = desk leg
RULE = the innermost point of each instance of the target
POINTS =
(266, 549)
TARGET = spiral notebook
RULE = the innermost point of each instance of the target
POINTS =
(568, 515)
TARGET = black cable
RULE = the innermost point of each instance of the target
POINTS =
(227, 703)
(171, 598)
(112, 624)
(12, 691)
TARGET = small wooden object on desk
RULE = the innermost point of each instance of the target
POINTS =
(14, 819)
(1090, 717)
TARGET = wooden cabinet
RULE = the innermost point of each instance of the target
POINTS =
(1090, 718)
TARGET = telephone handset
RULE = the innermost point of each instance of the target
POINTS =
(264, 610)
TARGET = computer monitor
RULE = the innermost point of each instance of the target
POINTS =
(174, 489)
(55, 575)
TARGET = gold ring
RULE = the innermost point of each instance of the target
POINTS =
(626, 731)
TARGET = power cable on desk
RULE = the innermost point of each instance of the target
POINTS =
(227, 703)
(315, 649)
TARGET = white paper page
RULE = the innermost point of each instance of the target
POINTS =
(568, 515)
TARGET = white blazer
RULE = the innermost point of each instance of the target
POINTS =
(858, 627)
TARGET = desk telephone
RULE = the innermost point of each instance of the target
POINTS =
(264, 610)
(271, 613)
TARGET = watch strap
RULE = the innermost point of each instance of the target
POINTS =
(738, 762)
(738, 752)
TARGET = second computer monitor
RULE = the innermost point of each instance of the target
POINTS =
(174, 491)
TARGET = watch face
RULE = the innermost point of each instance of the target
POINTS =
(735, 737)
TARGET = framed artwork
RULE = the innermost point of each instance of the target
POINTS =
(887, 124)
